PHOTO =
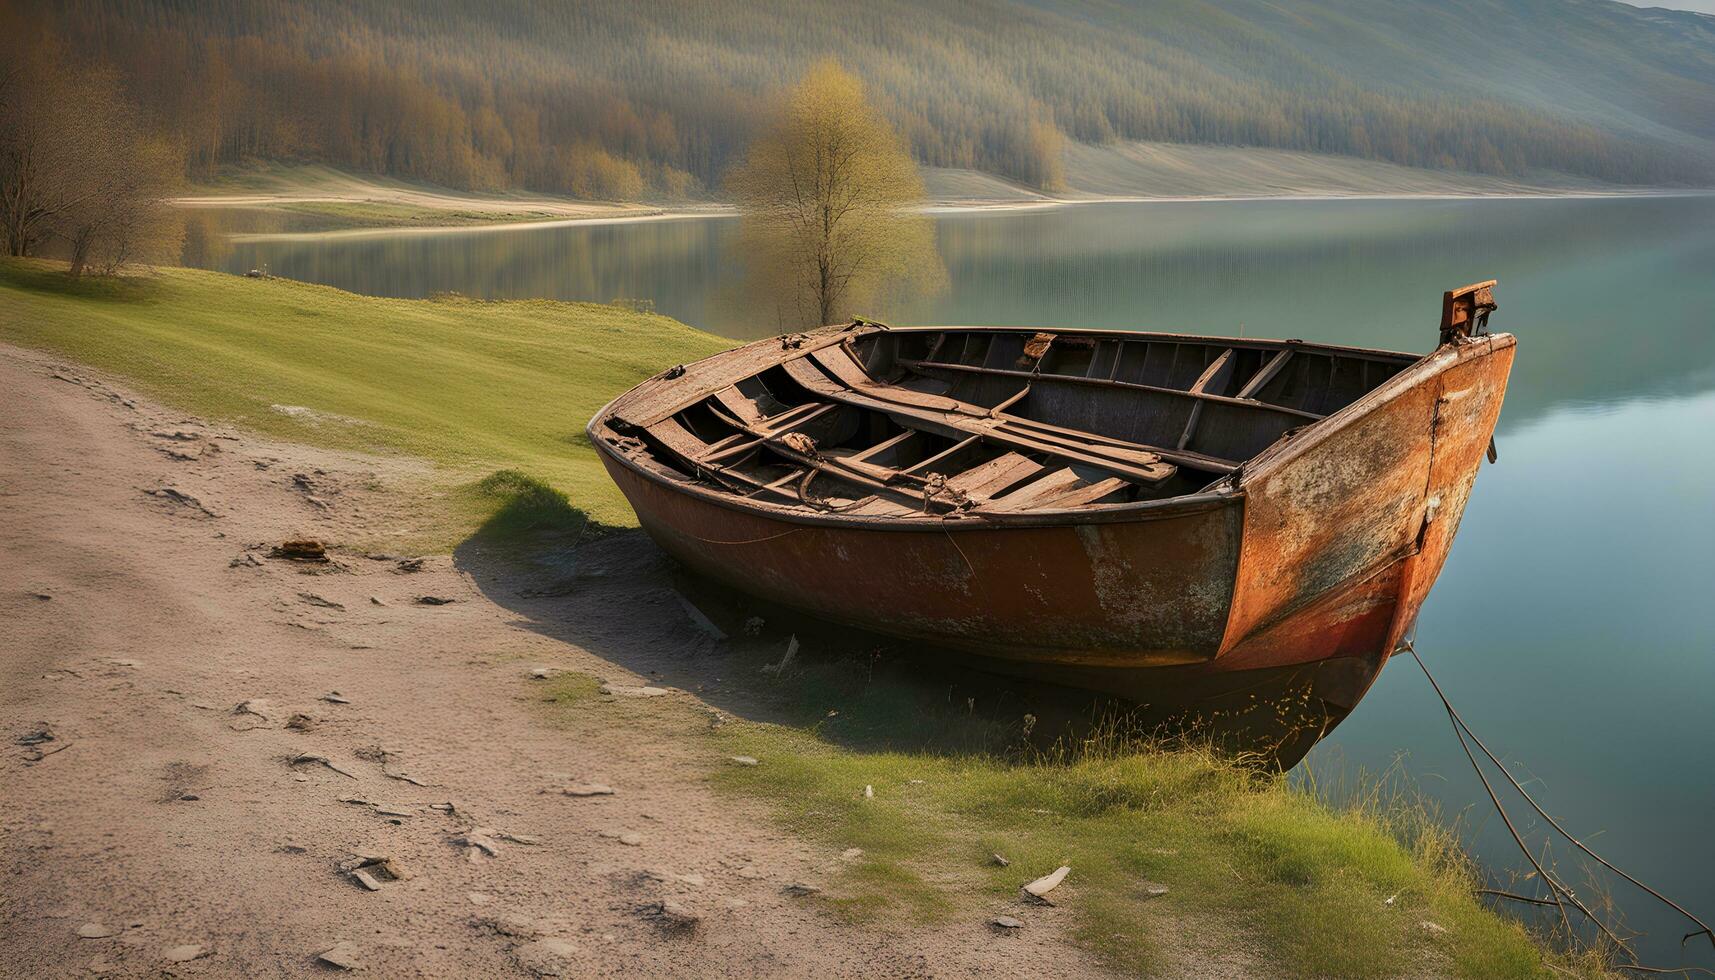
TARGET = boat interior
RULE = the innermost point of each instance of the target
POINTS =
(929, 423)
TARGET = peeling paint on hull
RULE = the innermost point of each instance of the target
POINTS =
(1305, 570)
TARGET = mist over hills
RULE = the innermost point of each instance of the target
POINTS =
(631, 98)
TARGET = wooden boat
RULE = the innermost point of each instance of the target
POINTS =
(1175, 519)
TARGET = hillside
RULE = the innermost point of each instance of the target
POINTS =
(622, 100)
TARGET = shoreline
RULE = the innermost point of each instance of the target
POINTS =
(938, 208)
(505, 634)
(389, 231)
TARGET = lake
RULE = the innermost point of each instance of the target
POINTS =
(1572, 625)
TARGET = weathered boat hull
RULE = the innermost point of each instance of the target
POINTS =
(1179, 520)
(1305, 568)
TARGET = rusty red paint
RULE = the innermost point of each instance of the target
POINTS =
(1306, 561)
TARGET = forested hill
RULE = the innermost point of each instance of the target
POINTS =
(625, 98)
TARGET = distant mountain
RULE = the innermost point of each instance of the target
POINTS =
(622, 98)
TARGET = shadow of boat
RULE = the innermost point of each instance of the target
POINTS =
(620, 598)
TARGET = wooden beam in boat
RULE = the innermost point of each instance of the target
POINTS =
(1218, 370)
(1265, 375)
(788, 421)
(1216, 373)
(1078, 437)
(995, 477)
(921, 366)
(883, 445)
(744, 444)
(878, 478)
(1085, 495)
(740, 404)
(924, 464)
(995, 430)
(671, 394)
(689, 449)
(837, 361)
(1010, 401)
(875, 506)
(1059, 489)
(1263, 344)
(1125, 452)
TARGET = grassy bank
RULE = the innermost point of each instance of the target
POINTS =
(475, 386)
(1257, 873)
(1262, 878)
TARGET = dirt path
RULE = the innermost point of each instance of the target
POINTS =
(138, 610)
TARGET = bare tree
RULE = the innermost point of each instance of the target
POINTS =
(77, 163)
(830, 201)
(34, 157)
(116, 209)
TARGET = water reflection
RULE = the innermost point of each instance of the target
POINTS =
(1598, 289)
(680, 265)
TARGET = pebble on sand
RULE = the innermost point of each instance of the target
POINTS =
(95, 930)
(546, 957)
(183, 954)
(671, 915)
(587, 789)
(1007, 922)
(342, 955)
(510, 924)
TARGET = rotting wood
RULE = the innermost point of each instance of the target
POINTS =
(1130, 514)
(1106, 383)
(1145, 468)
(1266, 374)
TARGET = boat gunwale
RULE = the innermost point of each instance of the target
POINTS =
(1115, 333)
(1276, 454)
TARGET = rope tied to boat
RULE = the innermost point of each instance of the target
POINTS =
(1560, 896)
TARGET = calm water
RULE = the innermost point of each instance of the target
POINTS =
(1574, 625)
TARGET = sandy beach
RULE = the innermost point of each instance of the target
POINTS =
(205, 744)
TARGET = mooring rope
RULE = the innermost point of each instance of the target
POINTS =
(1559, 894)
(769, 537)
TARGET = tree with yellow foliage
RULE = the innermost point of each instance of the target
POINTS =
(830, 202)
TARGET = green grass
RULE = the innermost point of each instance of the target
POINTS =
(474, 386)
(1253, 861)
(568, 689)
(514, 506)
(1250, 862)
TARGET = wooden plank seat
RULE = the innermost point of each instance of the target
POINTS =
(1002, 430)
